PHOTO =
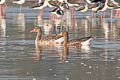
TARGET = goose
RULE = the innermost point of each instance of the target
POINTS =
(49, 40)
(75, 42)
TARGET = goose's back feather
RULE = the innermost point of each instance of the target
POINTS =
(80, 42)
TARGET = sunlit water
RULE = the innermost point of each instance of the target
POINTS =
(20, 59)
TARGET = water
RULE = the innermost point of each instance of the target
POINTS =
(20, 59)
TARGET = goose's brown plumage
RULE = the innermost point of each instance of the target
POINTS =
(75, 42)
(47, 40)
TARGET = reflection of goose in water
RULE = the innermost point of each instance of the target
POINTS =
(60, 50)
(37, 54)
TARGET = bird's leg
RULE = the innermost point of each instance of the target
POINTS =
(0, 10)
(117, 12)
(94, 15)
(66, 13)
(41, 13)
(103, 14)
(4, 9)
(111, 13)
(52, 16)
(72, 12)
(20, 8)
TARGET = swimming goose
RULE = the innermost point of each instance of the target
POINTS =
(47, 40)
(75, 42)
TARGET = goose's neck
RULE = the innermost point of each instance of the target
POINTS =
(38, 37)
(65, 40)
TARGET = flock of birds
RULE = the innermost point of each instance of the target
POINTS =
(59, 6)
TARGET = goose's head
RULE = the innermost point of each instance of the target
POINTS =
(36, 29)
(65, 33)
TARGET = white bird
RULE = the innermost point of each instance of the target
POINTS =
(42, 5)
(89, 1)
(103, 7)
(20, 2)
(2, 1)
(61, 1)
(94, 7)
(70, 4)
(82, 8)
(39, 1)
(115, 2)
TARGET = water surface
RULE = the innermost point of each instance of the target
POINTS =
(20, 59)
